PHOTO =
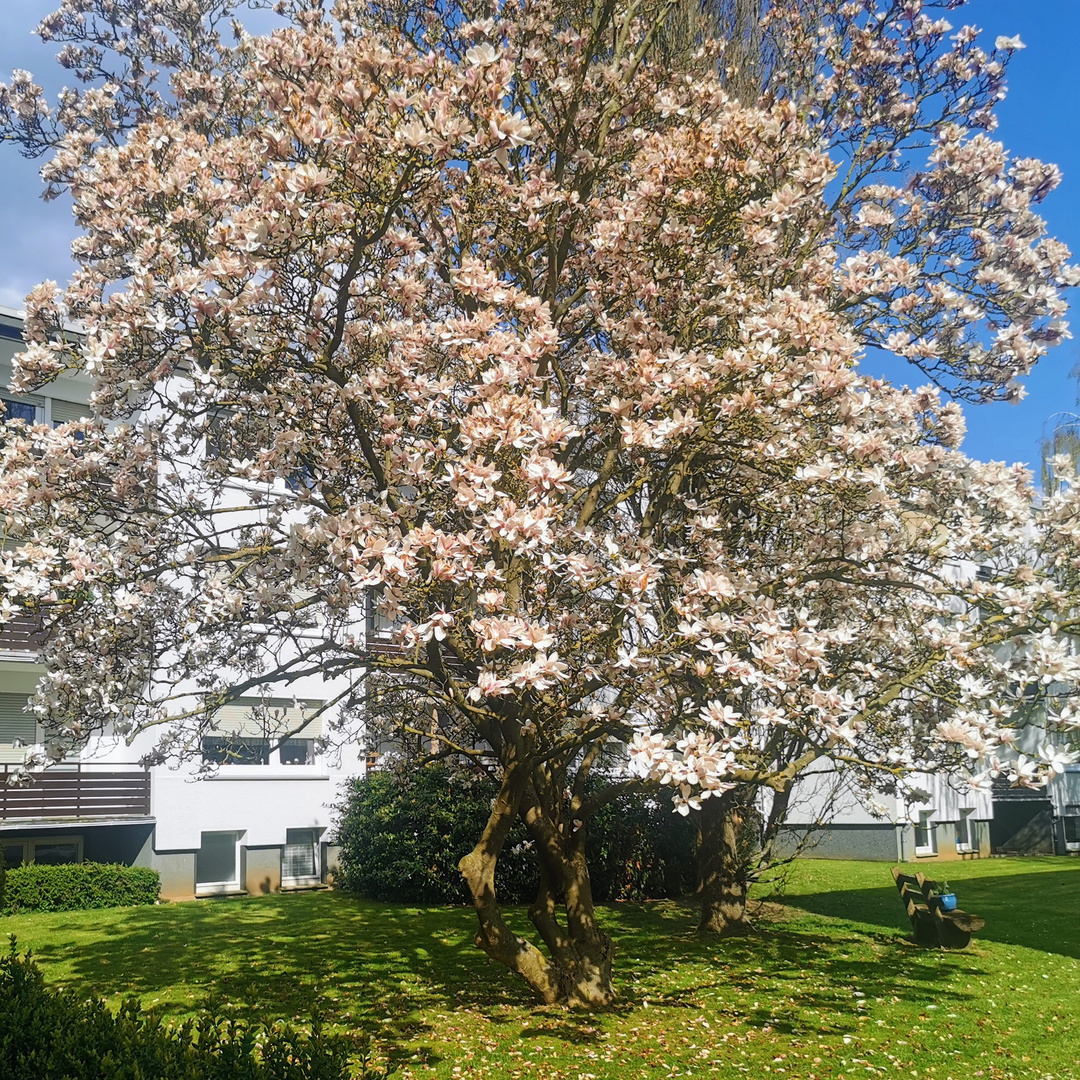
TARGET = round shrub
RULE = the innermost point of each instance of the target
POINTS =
(402, 836)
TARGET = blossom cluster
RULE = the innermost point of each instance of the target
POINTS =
(552, 358)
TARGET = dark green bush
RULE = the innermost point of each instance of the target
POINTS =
(402, 835)
(77, 887)
(401, 838)
(638, 849)
(47, 1034)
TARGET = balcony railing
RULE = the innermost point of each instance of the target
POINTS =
(23, 633)
(75, 792)
(379, 645)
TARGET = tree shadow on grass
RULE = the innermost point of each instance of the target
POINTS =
(368, 967)
(770, 980)
(1037, 911)
(389, 969)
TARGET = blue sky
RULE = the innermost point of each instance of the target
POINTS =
(1040, 118)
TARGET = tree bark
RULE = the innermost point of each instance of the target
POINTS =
(582, 952)
(578, 971)
(722, 867)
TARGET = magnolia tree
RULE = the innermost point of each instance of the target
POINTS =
(488, 318)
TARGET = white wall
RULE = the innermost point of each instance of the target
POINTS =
(851, 806)
(1064, 790)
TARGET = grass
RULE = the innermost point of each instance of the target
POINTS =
(830, 988)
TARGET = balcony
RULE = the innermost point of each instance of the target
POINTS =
(79, 792)
(23, 634)
(379, 645)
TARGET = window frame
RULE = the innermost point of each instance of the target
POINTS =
(314, 878)
(964, 821)
(926, 824)
(219, 888)
(29, 845)
(1071, 817)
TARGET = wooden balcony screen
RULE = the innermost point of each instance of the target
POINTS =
(23, 633)
(75, 793)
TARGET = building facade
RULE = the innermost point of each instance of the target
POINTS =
(258, 821)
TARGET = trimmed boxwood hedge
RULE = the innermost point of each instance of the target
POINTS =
(48, 1034)
(76, 887)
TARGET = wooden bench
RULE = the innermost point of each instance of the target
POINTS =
(932, 926)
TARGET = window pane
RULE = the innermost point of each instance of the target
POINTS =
(215, 861)
(1072, 830)
(297, 751)
(52, 854)
(235, 750)
(19, 410)
(13, 854)
(298, 858)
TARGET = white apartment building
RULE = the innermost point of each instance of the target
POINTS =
(843, 822)
(259, 822)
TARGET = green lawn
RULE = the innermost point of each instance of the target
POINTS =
(831, 987)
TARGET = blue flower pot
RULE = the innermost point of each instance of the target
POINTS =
(947, 901)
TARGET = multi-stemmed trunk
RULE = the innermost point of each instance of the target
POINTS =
(577, 967)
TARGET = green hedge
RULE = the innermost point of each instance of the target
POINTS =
(639, 849)
(77, 887)
(47, 1034)
(401, 837)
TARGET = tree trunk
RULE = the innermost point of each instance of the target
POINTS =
(578, 971)
(582, 952)
(722, 869)
(478, 869)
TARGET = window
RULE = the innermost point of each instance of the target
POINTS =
(298, 752)
(261, 731)
(235, 750)
(17, 729)
(299, 857)
(31, 410)
(217, 862)
(965, 834)
(46, 850)
(925, 834)
(1071, 821)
